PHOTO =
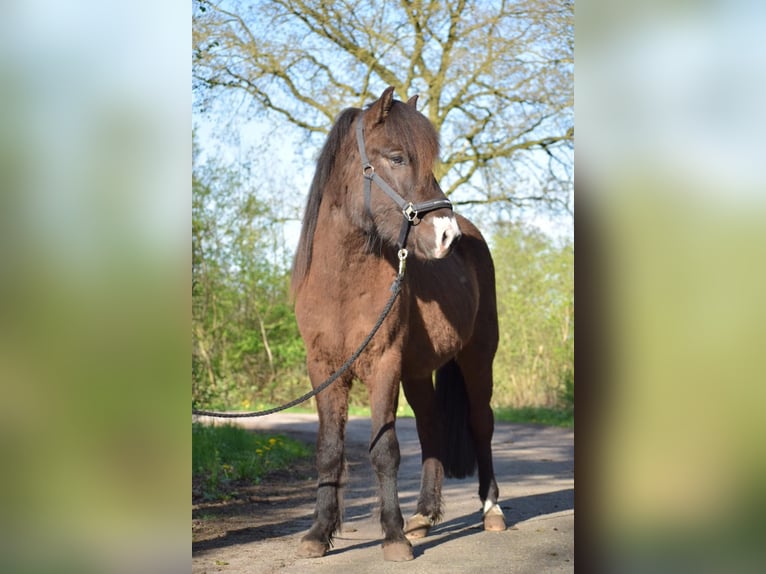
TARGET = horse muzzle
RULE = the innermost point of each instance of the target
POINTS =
(446, 235)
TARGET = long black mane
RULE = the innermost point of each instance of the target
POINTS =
(325, 164)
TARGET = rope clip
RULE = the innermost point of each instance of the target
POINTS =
(402, 260)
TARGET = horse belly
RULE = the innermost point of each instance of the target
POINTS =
(437, 333)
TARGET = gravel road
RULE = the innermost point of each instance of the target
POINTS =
(535, 472)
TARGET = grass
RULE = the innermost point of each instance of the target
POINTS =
(559, 417)
(223, 456)
(536, 415)
(562, 417)
(404, 410)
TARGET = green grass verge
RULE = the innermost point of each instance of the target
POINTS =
(404, 409)
(536, 415)
(225, 455)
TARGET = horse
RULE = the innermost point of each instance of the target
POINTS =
(374, 202)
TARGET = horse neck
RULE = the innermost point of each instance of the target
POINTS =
(338, 240)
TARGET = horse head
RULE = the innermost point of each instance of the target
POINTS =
(402, 203)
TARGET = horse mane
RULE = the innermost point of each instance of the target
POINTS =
(325, 164)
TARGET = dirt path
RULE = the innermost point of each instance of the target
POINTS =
(259, 533)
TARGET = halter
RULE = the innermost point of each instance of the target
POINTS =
(410, 211)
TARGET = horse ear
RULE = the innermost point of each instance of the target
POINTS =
(413, 101)
(384, 103)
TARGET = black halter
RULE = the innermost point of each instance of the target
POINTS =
(411, 211)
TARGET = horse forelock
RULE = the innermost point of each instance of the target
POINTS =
(417, 136)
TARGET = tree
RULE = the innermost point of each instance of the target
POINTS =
(245, 341)
(496, 79)
(534, 365)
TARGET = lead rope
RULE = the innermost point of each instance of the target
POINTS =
(395, 288)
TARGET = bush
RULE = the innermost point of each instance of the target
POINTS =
(534, 365)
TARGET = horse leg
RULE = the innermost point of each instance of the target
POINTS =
(482, 425)
(332, 407)
(420, 396)
(384, 456)
(482, 422)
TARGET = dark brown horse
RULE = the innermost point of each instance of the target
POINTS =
(444, 321)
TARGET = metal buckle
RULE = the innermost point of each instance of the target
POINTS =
(368, 170)
(410, 213)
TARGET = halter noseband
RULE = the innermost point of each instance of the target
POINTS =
(410, 211)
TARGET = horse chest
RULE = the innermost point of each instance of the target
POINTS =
(336, 313)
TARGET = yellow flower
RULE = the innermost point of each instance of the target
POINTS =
(258, 451)
(272, 441)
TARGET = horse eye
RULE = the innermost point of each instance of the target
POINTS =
(397, 160)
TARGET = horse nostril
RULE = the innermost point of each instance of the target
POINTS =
(450, 237)
(447, 234)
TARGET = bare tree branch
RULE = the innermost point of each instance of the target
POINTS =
(496, 79)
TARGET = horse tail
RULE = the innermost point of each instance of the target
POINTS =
(459, 453)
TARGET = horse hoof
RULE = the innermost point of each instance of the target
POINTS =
(312, 549)
(397, 551)
(494, 521)
(417, 526)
